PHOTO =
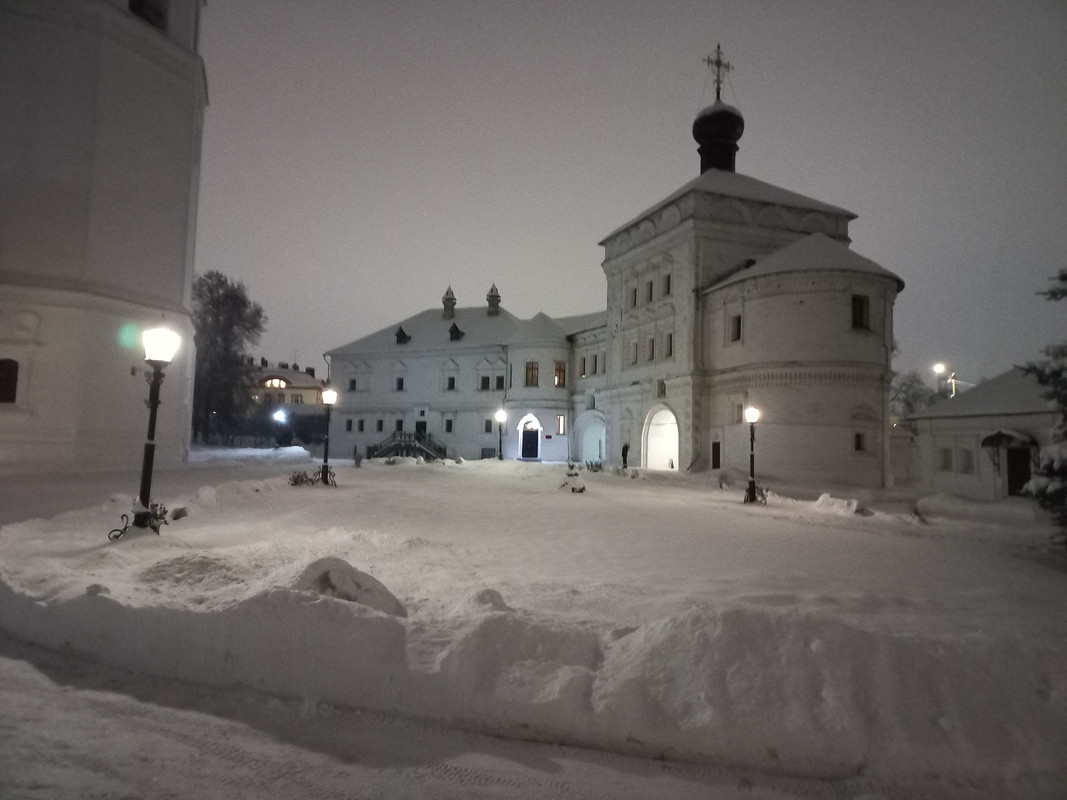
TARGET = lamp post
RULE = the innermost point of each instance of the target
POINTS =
(940, 369)
(160, 345)
(751, 417)
(501, 418)
(329, 397)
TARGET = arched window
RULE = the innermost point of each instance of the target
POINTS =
(9, 379)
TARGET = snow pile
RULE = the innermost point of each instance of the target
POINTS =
(657, 619)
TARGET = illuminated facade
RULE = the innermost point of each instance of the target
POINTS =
(99, 173)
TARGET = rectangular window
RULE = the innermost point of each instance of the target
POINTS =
(484, 385)
(268, 398)
(649, 291)
(489, 426)
(739, 413)
(966, 461)
(400, 384)
(379, 426)
(500, 383)
(944, 463)
(581, 371)
(859, 442)
(531, 373)
(667, 285)
(297, 398)
(633, 352)
(448, 426)
(451, 383)
(398, 426)
(351, 384)
(561, 424)
(633, 297)
(561, 374)
(734, 333)
(348, 426)
(651, 352)
(861, 312)
(359, 425)
(670, 346)
(596, 364)
(661, 388)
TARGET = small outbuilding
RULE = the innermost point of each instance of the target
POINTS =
(983, 444)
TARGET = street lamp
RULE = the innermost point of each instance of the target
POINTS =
(751, 417)
(329, 397)
(941, 369)
(160, 345)
(501, 418)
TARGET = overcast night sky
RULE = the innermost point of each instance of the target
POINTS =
(361, 157)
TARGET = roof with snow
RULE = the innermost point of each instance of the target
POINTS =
(540, 329)
(1011, 392)
(582, 322)
(815, 252)
(733, 184)
(429, 329)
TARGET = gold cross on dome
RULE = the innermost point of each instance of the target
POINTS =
(721, 68)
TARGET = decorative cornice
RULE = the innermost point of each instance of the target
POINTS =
(784, 376)
(800, 282)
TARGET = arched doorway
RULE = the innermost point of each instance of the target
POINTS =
(591, 433)
(529, 428)
(661, 440)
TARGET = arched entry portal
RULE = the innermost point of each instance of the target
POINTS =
(661, 440)
(529, 438)
(591, 432)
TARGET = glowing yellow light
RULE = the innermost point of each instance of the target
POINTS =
(751, 415)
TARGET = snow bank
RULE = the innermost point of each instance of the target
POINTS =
(774, 690)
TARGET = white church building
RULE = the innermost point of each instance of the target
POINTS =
(102, 109)
(730, 293)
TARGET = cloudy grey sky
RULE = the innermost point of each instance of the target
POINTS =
(360, 157)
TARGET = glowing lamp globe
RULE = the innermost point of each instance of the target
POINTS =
(329, 396)
(160, 344)
(501, 416)
(751, 415)
(939, 368)
(278, 416)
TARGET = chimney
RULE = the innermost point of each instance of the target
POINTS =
(449, 301)
(263, 363)
(310, 371)
(494, 301)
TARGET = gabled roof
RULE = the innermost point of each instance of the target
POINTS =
(1011, 392)
(815, 252)
(733, 184)
(429, 329)
(540, 329)
(583, 322)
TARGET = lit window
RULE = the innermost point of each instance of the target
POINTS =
(531, 373)
(275, 383)
(734, 334)
(561, 424)
(861, 312)
(561, 374)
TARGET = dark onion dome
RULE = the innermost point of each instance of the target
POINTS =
(717, 129)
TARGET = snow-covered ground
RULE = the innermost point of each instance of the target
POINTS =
(911, 655)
